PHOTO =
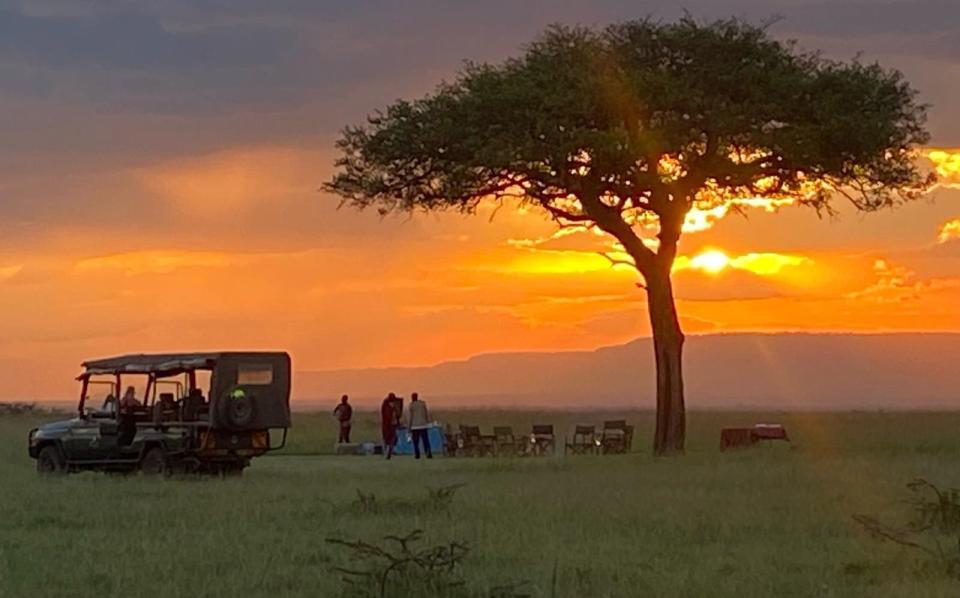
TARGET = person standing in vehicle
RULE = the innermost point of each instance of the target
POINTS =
(389, 422)
(344, 414)
(129, 400)
(126, 424)
(420, 426)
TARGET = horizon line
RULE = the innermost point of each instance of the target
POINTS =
(689, 335)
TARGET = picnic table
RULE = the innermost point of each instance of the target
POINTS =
(731, 438)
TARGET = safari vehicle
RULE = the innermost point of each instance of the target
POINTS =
(173, 427)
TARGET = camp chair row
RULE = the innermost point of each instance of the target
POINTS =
(615, 438)
(503, 442)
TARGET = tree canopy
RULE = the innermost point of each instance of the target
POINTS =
(643, 120)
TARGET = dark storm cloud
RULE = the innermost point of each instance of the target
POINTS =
(132, 41)
(193, 56)
(131, 61)
(872, 18)
(853, 17)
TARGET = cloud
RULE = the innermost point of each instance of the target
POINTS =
(154, 262)
(949, 231)
(946, 163)
(767, 264)
(860, 18)
(8, 272)
(234, 180)
(703, 218)
(897, 284)
(186, 57)
(132, 41)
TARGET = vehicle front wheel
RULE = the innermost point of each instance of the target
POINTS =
(154, 462)
(49, 461)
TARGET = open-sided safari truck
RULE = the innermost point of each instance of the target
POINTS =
(175, 425)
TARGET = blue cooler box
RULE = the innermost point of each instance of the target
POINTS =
(405, 440)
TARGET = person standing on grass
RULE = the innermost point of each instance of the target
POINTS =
(344, 414)
(389, 422)
(420, 425)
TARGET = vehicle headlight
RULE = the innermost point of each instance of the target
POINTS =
(33, 437)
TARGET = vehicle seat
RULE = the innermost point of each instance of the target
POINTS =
(165, 408)
(193, 405)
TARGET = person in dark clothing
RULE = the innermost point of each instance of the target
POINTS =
(126, 423)
(129, 401)
(344, 414)
(419, 426)
(389, 422)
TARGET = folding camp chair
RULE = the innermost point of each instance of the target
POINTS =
(616, 438)
(542, 440)
(584, 441)
(476, 444)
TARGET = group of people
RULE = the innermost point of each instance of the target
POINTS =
(391, 415)
(124, 410)
(126, 404)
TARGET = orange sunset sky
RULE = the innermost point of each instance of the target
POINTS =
(159, 175)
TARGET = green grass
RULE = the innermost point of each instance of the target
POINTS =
(771, 521)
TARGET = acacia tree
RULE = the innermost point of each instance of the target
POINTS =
(628, 128)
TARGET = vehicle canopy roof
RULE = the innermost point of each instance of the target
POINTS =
(166, 364)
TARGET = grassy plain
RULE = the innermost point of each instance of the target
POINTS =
(771, 521)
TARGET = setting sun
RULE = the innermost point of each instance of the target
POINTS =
(712, 261)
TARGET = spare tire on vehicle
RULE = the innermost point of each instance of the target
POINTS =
(237, 408)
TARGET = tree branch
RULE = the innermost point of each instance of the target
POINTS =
(561, 214)
(615, 261)
(611, 222)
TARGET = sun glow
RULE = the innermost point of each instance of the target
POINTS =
(713, 261)
(550, 261)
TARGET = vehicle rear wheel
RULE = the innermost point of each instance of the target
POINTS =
(154, 462)
(49, 461)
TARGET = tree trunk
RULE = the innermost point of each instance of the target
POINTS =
(668, 349)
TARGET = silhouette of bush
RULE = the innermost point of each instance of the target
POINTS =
(398, 567)
(934, 530)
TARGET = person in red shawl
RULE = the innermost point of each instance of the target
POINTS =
(389, 422)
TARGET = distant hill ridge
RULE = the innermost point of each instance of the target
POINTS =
(783, 371)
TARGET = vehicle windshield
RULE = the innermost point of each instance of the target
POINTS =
(101, 399)
(181, 395)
